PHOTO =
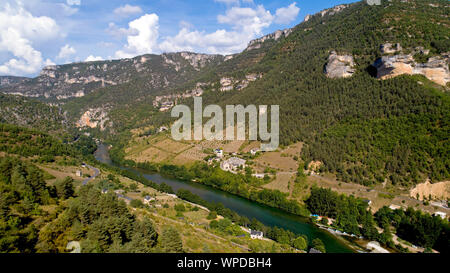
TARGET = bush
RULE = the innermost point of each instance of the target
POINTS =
(136, 203)
(212, 215)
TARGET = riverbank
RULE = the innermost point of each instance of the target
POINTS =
(266, 215)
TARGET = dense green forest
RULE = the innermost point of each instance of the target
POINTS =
(417, 227)
(30, 142)
(32, 114)
(352, 216)
(100, 222)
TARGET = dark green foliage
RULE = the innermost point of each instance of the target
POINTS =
(22, 191)
(417, 227)
(31, 113)
(26, 142)
(179, 207)
(171, 241)
(300, 243)
(319, 245)
(212, 215)
(64, 188)
(136, 203)
(348, 211)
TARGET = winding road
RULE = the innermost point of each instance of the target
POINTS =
(96, 173)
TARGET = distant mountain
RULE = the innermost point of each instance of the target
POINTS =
(8, 81)
(31, 113)
(61, 82)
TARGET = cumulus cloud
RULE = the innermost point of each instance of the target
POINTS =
(92, 58)
(19, 29)
(120, 32)
(246, 23)
(127, 10)
(65, 52)
(286, 15)
(248, 20)
(145, 37)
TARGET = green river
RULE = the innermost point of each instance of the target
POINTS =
(266, 215)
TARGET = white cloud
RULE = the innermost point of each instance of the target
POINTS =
(67, 9)
(92, 58)
(19, 29)
(120, 32)
(246, 23)
(286, 15)
(73, 2)
(65, 52)
(247, 20)
(220, 41)
(145, 38)
(127, 10)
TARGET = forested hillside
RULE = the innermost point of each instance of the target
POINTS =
(365, 128)
(31, 113)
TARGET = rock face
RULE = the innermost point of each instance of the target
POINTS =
(257, 43)
(8, 81)
(435, 69)
(93, 118)
(228, 83)
(58, 82)
(333, 10)
(330, 11)
(199, 61)
(339, 66)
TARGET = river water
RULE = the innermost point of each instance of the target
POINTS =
(266, 215)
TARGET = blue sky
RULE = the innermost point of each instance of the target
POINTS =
(35, 33)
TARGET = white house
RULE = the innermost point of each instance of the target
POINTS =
(441, 214)
(259, 175)
(232, 164)
(254, 234)
(79, 173)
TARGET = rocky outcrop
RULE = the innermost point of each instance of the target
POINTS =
(228, 83)
(94, 118)
(333, 10)
(199, 61)
(389, 48)
(8, 81)
(330, 11)
(339, 66)
(257, 43)
(435, 69)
